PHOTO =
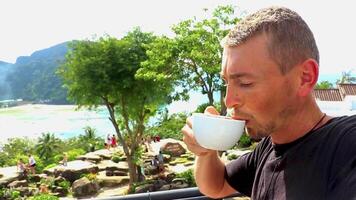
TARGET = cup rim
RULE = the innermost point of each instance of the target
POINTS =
(219, 117)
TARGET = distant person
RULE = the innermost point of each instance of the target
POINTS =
(21, 168)
(32, 164)
(108, 141)
(160, 161)
(113, 141)
(64, 161)
(158, 138)
(155, 163)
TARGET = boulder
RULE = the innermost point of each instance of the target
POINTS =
(9, 175)
(61, 192)
(111, 181)
(144, 188)
(16, 184)
(73, 170)
(83, 187)
(58, 179)
(172, 147)
(90, 157)
(112, 166)
(105, 154)
(120, 173)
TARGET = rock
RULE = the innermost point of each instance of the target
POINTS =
(90, 157)
(9, 175)
(34, 178)
(111, 181)
(157, 184)
(166, 157)
(25, 191)
(73, 170)
(170, 177)
(83, 187)
(120, 173)
(173, 148)
(58, 179)
(165, 187)
(144, 188)
(105, 154)
(61, 192)
(188, 164)
(178, 181)
(16, 184)
(179, 186)
(112, 166)
(109, 173)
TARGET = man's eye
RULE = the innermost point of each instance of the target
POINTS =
(245, 84)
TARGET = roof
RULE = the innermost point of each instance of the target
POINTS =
(347, 89)
(327, 94)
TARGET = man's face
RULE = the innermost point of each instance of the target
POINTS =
(256, 89)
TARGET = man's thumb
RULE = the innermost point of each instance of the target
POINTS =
(211, 110)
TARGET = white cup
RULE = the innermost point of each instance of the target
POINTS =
(217, 132)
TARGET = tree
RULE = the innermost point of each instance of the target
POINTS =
(324, 85)
(104, 72)
(48, 145)
(194, 53)
(346, 77)
(89, 140)
(169, 126)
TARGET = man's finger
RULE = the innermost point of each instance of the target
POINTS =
(211, 110)
(189, 122)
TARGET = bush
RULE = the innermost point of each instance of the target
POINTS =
(116, 159)
(73, 154)
(188, 176)
(245, 141)
(44, 197)
(232, 157)
(64, 184)
(50, 166)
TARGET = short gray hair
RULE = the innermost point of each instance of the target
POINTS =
(290, 40)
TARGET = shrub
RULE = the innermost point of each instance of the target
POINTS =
(50, 166)
(44, 197)
(116, 159)
(64, 184)
(188, 176)
(15, 194)
(232, 157)
(73, 154)
(245, 141)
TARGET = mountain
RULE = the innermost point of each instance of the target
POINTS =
(5, 69)
(33, 77)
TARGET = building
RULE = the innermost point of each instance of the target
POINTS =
(339, 101)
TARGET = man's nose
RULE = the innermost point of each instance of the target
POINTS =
(233, 97)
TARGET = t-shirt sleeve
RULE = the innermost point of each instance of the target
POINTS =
(240, 173)
(343, 184)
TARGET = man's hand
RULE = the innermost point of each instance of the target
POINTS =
(189, 138)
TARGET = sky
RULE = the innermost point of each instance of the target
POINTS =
(30, 25)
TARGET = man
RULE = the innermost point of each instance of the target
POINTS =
(270, 66)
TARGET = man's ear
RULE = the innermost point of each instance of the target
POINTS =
(309, 72)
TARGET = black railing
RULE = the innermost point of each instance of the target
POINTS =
(182, 194)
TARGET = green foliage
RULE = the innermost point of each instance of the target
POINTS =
(74, 153)
(64, 184)
(90, 176)
(232, 157)
(89, 141)
(188, 176)
(138, 154)
(245, 141)
(50, 166)
(324, 85)
(48, 145)
(168, 126)
(15, 194)
(192, 59)
(201, 108)
(116, 159)
(33, 78)
(49, 182)
(44, 197)
(346, 77)
(14, 149)
(104, 71)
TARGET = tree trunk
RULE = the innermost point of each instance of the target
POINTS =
(222, 102)
(211, 98)
(132, 171)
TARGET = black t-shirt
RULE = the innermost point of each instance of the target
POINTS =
(319, 165)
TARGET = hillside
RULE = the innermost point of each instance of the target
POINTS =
(33, 77)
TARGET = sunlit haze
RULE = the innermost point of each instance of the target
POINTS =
(31, 25)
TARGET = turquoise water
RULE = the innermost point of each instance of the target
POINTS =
(63, 121)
